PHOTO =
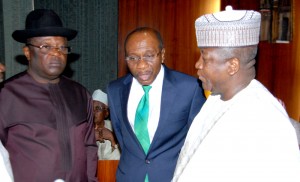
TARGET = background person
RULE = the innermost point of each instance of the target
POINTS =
(242, 132)
(46, 119)
(151, 141)
(107, 143)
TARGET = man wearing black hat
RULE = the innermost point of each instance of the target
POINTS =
(46, 119)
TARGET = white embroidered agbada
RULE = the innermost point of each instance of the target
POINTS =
(252, 140)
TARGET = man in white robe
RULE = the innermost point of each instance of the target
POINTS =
(242, 133)
(107, 143)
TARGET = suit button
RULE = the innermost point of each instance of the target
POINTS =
(147, 161)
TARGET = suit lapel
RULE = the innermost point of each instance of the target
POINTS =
(167, 100)
(124, 93)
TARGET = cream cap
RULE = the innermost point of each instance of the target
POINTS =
(229, 28)
(100, 96)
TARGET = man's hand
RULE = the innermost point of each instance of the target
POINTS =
(105, 134)
(2, 69)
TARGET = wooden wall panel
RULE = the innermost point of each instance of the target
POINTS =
(274, 68)
(294, 92)
(241, 4)
(264, 66)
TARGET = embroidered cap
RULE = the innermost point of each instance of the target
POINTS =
(100, 96)
(229, 28)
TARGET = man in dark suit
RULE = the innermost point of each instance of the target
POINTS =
(173, 101)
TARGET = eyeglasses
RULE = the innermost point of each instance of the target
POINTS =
(147, 57)
(100, 109)
(45, 49)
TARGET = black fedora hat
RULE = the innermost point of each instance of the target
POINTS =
(43, 22)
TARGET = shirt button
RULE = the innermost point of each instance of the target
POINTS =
(147, 161)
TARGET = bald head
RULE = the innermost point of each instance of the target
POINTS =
(148, 30)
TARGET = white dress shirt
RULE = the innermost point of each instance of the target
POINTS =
(137, 92)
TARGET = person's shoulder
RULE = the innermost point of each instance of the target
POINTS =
(120, 81)
(14, 81)
(178, 73)
(179, 77)
(68, 80)
(70, 84)
(259, 91)
(72, 88)
(19, 84)
(14, 78)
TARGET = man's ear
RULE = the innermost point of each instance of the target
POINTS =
(234, 66)
(27, 52)
(163, 55)
(106, 113)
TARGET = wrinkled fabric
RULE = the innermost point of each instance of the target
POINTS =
(252, 140)
(48, 130)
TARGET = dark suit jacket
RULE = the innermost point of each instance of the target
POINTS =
(182, 98)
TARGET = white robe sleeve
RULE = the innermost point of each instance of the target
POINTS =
(5, 166)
